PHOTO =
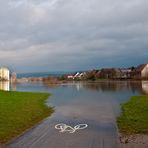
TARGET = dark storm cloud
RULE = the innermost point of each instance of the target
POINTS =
(48, 35)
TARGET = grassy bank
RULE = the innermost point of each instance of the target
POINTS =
(19, 111)
(134, 116)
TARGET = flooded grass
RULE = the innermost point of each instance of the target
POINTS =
(20, 111)
(134, 116)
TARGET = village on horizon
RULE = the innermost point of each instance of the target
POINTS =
(136, 73)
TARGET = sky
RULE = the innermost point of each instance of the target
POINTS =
(69, 35)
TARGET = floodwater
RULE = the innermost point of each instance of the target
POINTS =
(94, 104)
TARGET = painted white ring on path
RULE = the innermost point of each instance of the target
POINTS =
(81, 126)
(66, 128)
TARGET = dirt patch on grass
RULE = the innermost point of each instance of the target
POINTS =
(133, 141)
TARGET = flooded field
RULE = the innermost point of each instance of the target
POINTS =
(90, 106)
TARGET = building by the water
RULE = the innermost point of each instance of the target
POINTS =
(4, 74)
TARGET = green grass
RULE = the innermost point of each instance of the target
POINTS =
(134, 116)
(20, 111)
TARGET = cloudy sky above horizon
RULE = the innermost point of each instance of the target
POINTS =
(69, 35)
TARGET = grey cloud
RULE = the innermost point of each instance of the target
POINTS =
(72, 34)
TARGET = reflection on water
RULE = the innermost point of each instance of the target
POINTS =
(112, 86)
(13, 86)
(145, 86)
(5, 85)
(48, 85)
(121, 85)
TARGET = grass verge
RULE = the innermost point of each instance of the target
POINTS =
(134, 116)
(20, 111)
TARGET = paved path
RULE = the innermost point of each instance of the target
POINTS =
(100, 133)
(46, 136)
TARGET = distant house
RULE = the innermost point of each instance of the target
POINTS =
(125, 73)
(76, 75)
(117, 73)
(4, 74)
(70, 77)
(141, 71)
(109, 73)
(96, 73)
(92, 74)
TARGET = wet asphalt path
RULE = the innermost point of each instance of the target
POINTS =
(97, 135)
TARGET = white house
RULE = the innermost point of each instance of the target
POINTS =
(4, 74)
(144, 72)
(76, 75)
